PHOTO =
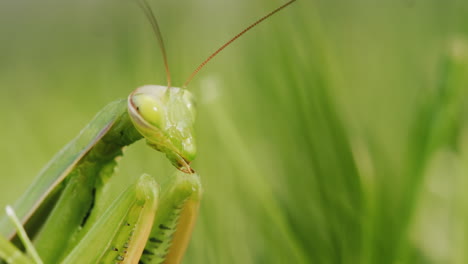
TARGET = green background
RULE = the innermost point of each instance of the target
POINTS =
(335, 132)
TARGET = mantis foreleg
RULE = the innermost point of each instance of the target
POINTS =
(118, 235)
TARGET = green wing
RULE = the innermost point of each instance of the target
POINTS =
(38, 199)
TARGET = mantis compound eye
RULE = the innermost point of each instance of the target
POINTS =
(165, 117)
(150, 109)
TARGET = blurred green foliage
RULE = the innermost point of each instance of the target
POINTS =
(336, 132)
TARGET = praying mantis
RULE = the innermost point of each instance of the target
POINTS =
(62, 212)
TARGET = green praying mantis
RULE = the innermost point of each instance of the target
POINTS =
(62, 212)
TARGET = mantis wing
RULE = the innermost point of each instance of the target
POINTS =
(38, 199)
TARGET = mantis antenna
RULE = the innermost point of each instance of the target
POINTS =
(154, 24)
(233, 39)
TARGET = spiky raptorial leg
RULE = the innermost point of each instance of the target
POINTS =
(174, 220)
(120, 235)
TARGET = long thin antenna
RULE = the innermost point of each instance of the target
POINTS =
(154, 24)
(232, 40)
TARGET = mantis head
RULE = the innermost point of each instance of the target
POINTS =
(165, 117)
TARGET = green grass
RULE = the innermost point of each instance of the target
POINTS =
(336, 132)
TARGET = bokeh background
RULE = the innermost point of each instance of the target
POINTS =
(335, 132)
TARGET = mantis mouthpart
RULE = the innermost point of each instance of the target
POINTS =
(62, 211)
